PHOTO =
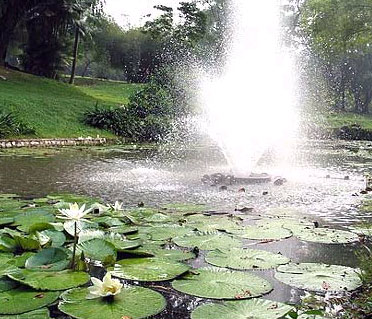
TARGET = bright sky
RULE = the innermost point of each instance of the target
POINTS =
(131, 12)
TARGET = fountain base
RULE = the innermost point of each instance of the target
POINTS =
(221, 179)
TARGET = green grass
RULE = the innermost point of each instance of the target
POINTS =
(56, 109)
(340, 119)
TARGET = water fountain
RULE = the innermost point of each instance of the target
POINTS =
(250, 109)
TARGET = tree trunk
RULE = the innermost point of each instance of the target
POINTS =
(75, 55)
(10, 16)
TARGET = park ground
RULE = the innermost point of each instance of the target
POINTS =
(56, 109)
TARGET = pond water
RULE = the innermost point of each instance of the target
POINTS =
(324, 180)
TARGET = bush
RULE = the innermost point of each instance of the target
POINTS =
(11, 126)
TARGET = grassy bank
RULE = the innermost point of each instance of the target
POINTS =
(56, 109)
(340, 119)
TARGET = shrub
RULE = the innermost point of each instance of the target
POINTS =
(11, 126)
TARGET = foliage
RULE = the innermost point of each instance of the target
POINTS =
(55, 109)
(11, 126)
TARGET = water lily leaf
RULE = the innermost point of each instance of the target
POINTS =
(133, 302)
(207, 223)
(50, 280)
(173, 254)
(26, 243)
(36, 314)
(294, 225)
(50, 259)
(108, 221)
(57, 238)
(319, 277)
(36, 216)
(148, 269)
(100, 250)
(123, 229)
(252, 309)
(327, 236)
(217, 283)
(237, 258)
(124, 244)
(365, 230)
(69, 226)
(7, 284)
(207, 241)
(6, 220)
(21, 300)
(20, 261)
(263, 233)
(166, 232)
(7, 244)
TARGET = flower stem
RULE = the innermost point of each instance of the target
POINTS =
(73, 264)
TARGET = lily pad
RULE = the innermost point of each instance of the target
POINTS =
(173, 254)
(49, 280)
(207, 241)
(123, 229)
(57, 238)
(99, 249)
(148, 269)
(7, 284)
(217, 283)
(35, 216)
(133, 302)
(264, 233)
(319, 277)
(208, 223)
(166, 232)
(36, 314)
(51, 259)
(22, 300)
(252, 309)
(327, 236)
(242, 259)
(294, 225)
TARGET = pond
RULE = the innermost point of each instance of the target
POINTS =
(324, 180)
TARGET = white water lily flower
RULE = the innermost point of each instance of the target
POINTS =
(117, 206)
(106, 288)
(74, 213)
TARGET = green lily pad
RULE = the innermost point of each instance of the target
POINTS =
(36, 314)
(252, 309)
(100, 250)
(148, 269)
(294, 225)
(51, 259)
(49, 280)
(242, 259)
(22, 300)
(365, 230)
(7, 284)
(207, 241)
(327, 236)
(173, 254)
(123, 229)
(263, 233)
(57, 238)
(208, 223)
(7, 244)
(20, 261)
(35, 216)
(217, 283)
(319, 277)
(133, 302)
(166, 232)
(108, 221)
(26, 243)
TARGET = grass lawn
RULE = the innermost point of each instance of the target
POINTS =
(56, 109)
(337, 120)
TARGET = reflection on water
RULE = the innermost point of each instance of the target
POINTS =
(316, 185)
